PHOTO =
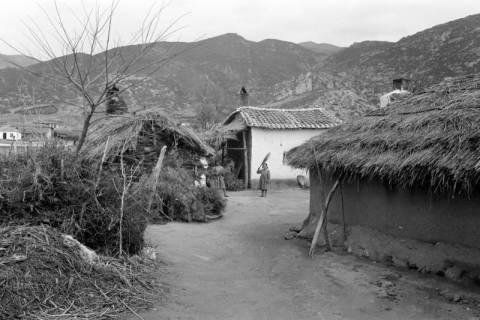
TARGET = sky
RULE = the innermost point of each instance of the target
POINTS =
(339, 22)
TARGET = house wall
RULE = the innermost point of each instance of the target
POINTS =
(10, 135)
(277, 142)
(403, 213)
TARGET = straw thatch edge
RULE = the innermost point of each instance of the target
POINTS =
(431, 140)
(123, 131)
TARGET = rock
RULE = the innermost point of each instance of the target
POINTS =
(149, 253)
(382, 294)
(454, 273)
(88, 255)
(444, 292)
(290, 235)
(302, 181)
(296, 228)
(399, 262)
(456, 297)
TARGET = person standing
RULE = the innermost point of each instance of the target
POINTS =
(217, 179)
(264, 178)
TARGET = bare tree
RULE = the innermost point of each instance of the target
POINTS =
(89, 60)
(207, 115)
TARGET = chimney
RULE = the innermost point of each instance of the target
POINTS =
(244, 96)
(50, 132)
(115, 104)
(401, 84)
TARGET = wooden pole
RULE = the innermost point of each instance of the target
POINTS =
(323, 218)
(223, 155)
(62, 169)
(343, 216)
(104, 157)
(155, 176)
(245, 159)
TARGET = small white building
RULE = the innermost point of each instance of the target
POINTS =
(266, 130)
(10, 133)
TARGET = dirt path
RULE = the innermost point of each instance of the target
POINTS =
(241, 268)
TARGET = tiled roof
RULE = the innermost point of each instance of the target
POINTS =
(269, 118)
(8, 129)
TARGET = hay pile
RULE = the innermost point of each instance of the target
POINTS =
(44, 276)
(430, 139)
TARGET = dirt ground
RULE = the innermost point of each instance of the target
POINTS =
(240, 267)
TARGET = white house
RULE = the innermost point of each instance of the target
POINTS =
(10, 133)
(264, 130)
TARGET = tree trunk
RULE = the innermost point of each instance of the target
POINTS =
(83, 135)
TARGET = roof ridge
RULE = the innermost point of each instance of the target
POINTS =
(278, 109)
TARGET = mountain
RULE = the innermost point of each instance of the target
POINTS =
(13, 61)
(446, 50)
(207, 72)
(321, 48)
(347, 82)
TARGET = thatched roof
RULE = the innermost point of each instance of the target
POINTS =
(127, 131)
(430, 139)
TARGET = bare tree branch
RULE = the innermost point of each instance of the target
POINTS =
(88, 60)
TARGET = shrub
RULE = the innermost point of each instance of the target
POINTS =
(232, 183)
(213, 202)
(52, 187)
(178, 199)
(55, 188)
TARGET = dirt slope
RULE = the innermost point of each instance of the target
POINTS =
(241, 268)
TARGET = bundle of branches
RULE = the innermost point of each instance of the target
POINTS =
(55, 188)
(177, 198)
(45, 276)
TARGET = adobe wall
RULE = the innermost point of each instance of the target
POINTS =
(403, 213)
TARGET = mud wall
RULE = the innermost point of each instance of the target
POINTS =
(402, 213)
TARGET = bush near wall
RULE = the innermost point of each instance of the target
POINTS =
(53, 187)
(232, 183)
(38, 189)
(178, 199)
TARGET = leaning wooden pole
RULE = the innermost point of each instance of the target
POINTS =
(323, 219)
(155, 176)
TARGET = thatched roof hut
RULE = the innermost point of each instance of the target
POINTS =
(430, 139)
(143, 132)
(409, 180)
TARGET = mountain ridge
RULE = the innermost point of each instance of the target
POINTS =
(278, 73)
(14, 61)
